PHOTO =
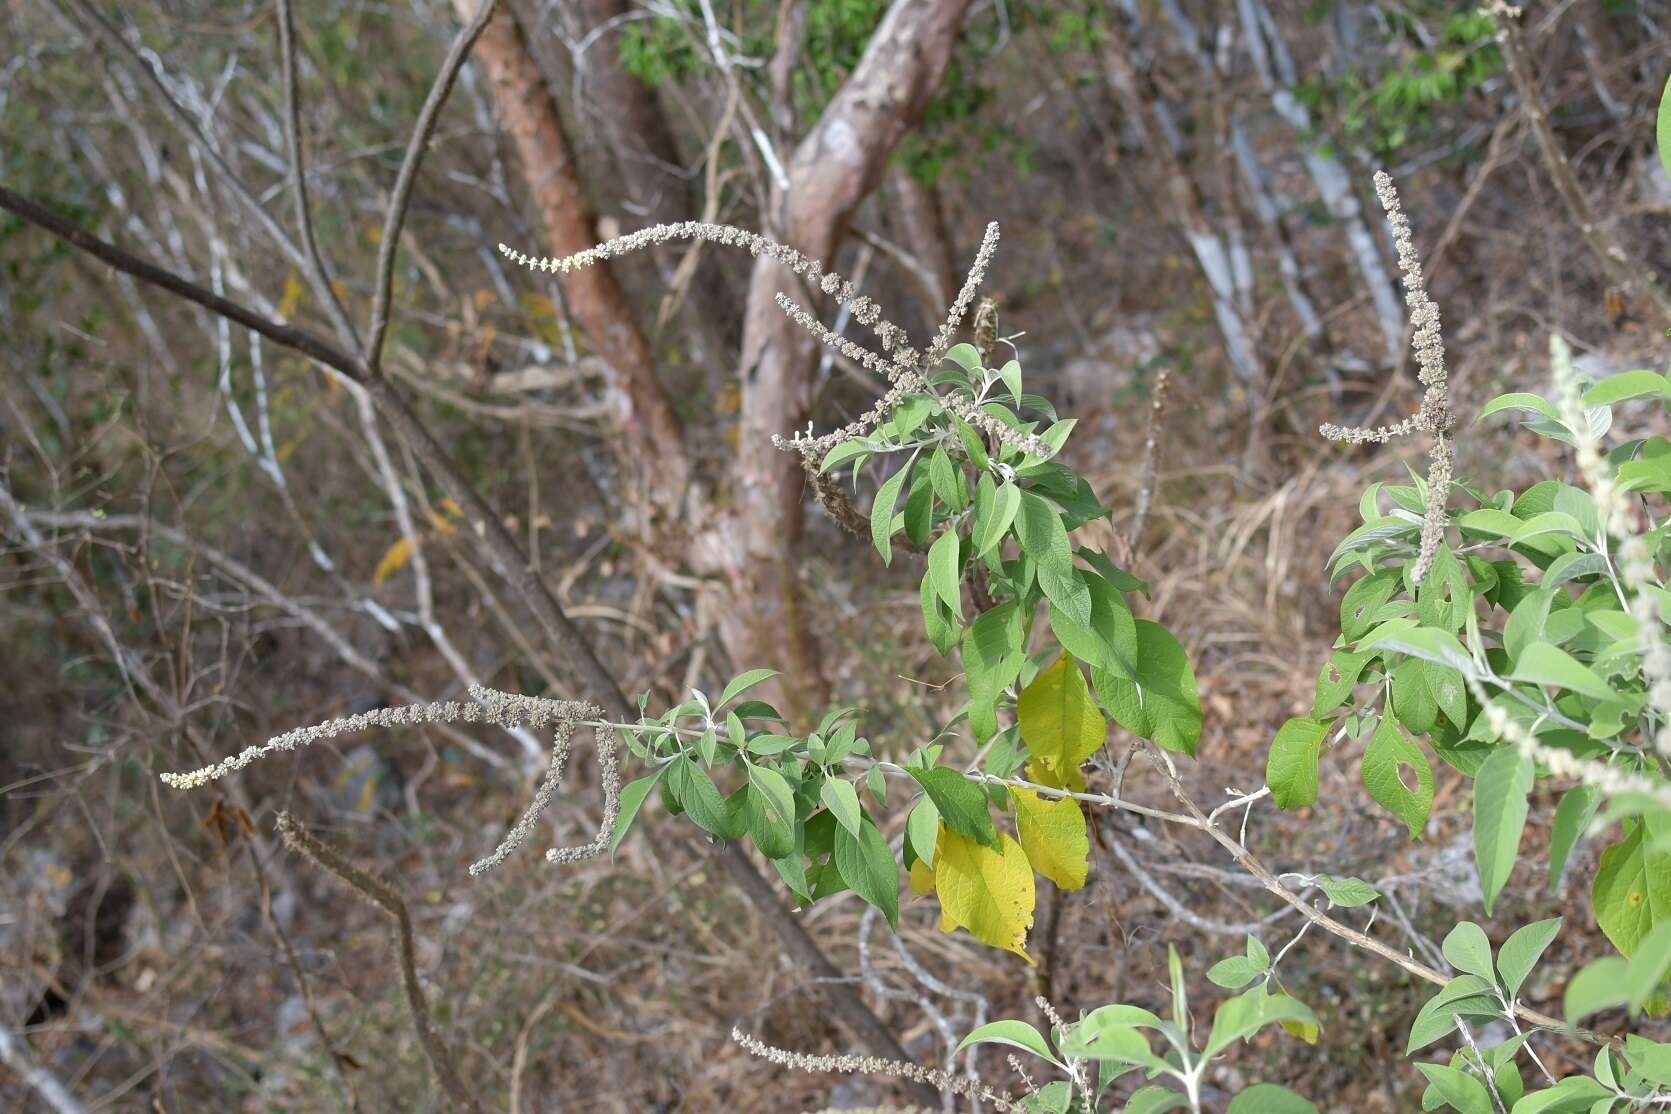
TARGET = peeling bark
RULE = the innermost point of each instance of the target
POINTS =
(762, 612)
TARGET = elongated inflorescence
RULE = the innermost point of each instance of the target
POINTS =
(875, 1065)
(502, 709)
(1434, 415)
(905, 368)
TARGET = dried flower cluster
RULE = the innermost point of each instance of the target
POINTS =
(1434, 415)
(490, 706)
(874, 1065)
(905, 369)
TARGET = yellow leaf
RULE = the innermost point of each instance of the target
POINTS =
(922, 878)
(1059, 721)
(292, 296)
(393, 561)
(1305, 1030)
(442, 526)
(1045, 774)
(1054, 837)
(988, 892)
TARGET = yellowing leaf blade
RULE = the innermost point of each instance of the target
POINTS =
(988, 892)
(394, 559)
(1054, 836)
(1059, 720)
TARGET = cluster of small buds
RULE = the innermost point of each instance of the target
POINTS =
(874, 1065)
(1434, 414)
(502, 709)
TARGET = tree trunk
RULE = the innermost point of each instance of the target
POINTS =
(653, 435)
(922, 223)
(761, 609)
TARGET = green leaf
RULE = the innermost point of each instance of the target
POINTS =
(1045, 540)
(741, 684)
(842, 800)
(1154, 1099)
(844, 452)
(1572, 816)
(947, 480)
(1526, 622)
(965, 356)
(1363, 601)
(1110, 641)
(922, 828)
(1348, 893)
(1233, 973)
(1576, 1094)
(1631, 894)
(1646, 968)
(1160, 701)
(1388, 754)
(632, 799)
(1244, 1015)
(993, 520)
(1662, 129)
(945, 570)
(1519, 401)
(918, 517)
(992, 658)
(1627, 385)
(866, 865)
(1522, 950)
(771, 833)
(1268, 1098)
(1465, 995)
(962, 804)
(882, 510)
(1016, 1034)
(1598, 985)
(775, 788)
(938, 623)
(1500, 791)
(1468, 950)
(1338, 677)
(1543, 664)
(1291, 767)
(695, 791)
(1458, 1088)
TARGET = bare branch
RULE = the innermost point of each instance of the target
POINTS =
(381, 894)
(402, 196)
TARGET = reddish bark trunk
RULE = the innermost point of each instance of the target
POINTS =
(653, 434)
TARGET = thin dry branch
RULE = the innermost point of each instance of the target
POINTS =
(382, 895)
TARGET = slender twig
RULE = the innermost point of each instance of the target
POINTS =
(379, 893)
(401, 199)
(299, 340)
(309, 1000)
(1248, 862)
(298, 175)
(148, 72)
